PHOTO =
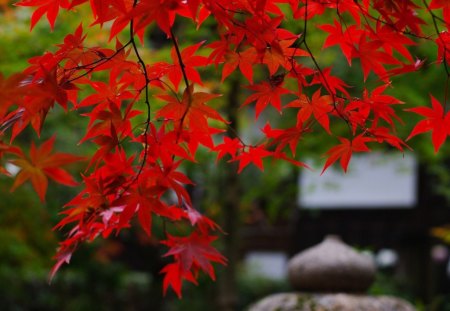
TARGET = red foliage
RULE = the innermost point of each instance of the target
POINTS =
(436, 121)
(374, 36)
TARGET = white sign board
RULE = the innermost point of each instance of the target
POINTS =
(271, 265)
(373, 180)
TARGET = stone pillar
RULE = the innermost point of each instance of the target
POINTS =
(328, 277)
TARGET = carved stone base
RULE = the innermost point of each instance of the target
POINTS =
(330, 302)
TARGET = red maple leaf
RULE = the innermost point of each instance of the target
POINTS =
(108, 120)
(280, 52)
(43, 165)
(379, 104)
(344, 151)
(190, 61)
(266, 93)
(443, 43)
(174, 275)
(441, 4)
(393, 40)
(111, 10)
(383, 134)
(318, 106)
(48, 7)
(403, 69)
(345, 39)
(285, 137)
(11, 91)
(162, 12)
(330, 82)
(252, 155)
(437, 121)
(162, 144)
(144, 202)
(372, 59)
(191, 253)
(192, 111)
(312, 9)
(243, 59)
(229, 146)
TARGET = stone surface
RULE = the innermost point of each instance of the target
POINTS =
(330, 302)
(331, 266)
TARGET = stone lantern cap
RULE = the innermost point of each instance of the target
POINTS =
(330, 276)
(331, 266)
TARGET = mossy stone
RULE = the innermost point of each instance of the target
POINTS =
(331, 266)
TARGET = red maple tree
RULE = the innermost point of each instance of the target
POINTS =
(118, 184)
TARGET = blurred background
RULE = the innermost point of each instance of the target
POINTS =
(393, 206)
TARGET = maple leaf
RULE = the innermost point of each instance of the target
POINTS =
(379, 104)
(194, 137)
(74, 51)
(407, 17)
(372, 59)
(403, 69)
(191, 111)
(192, 252)
(11, 91)
(350, 6)
(393, 40)
(279, 53)
(437, 121)
(344, 151)
(252, 155)
(400, 14)
(162, 144)
(190, 61)
(108, 10)
(354, 112)
(266, 93)
(312, 9)
(39, 93)
(383, 134)
(330, 82)
(225, 52)
(62, 256)
(162, 12)
(243, 59)
(174, 275)
(285, 137)
(94, 195)
(318, 106)
(260, 31)
(48, 7)
(194, 249)
(229, 146)
(168, 177)
(113, 91)
(441, 4)
(43, 165)
(345, 39)
(144, 200)
(109, 121)
(443, 42)
(300, 73)
(203, 223)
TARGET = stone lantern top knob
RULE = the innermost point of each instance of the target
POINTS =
(331, 266)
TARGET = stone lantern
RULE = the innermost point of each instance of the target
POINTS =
(330, 276)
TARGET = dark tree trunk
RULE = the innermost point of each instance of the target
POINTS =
(228, 295)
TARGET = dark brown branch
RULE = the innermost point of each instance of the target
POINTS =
(146, 99)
